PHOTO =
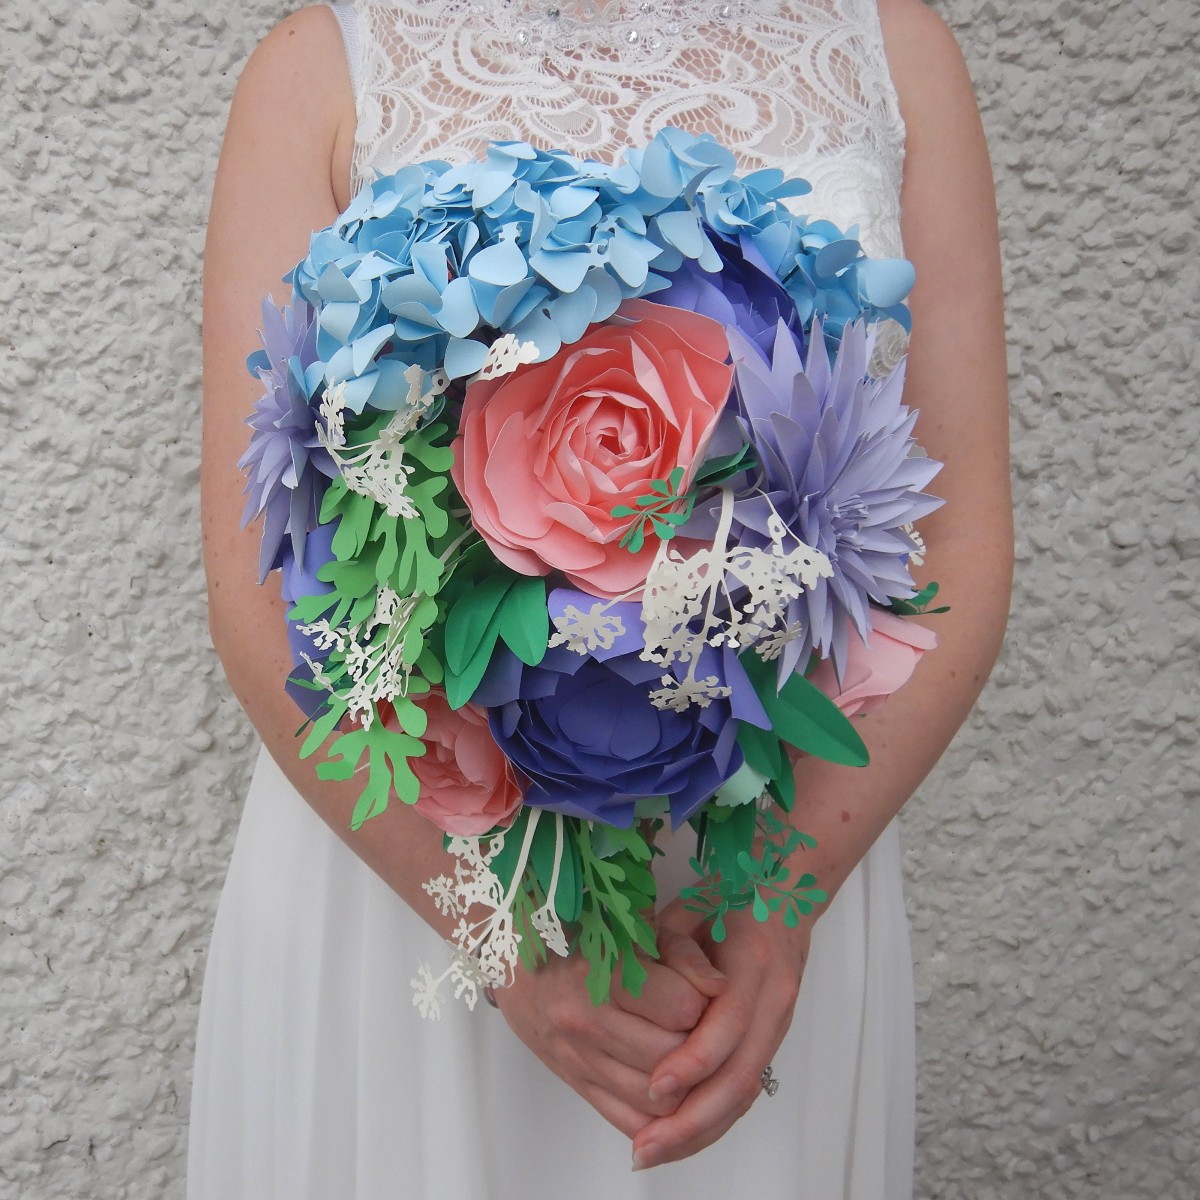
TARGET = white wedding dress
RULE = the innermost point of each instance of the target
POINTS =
(316, 1078)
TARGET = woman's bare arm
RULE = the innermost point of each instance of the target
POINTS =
(957, 377)
(285, 172)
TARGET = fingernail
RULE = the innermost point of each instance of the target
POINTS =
(668, 1085)
(647, 1156)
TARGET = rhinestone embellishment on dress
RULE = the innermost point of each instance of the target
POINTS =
(639, 29)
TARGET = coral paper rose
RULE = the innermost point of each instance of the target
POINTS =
(875, 670)
(467, 785)
(545, 454)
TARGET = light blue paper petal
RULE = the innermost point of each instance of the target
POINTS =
(333, 285)
(464, 356)
(573, 313)
(885, 282)
(606, 291)
(502, 265)
(458, 314)
(390, 390)
(563, 270)
(570, 201)
(357, 393)
(682, 230)
(539, 329)
(366, 347)
(339, 320)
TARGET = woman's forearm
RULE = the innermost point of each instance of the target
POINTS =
(284, 172)
(847, 808)
(399, 845)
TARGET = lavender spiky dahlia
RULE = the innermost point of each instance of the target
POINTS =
(286, 465)
(836, 458)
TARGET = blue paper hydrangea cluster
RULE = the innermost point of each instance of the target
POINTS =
(541, 244)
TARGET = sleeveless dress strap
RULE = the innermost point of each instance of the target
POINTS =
(347, 19)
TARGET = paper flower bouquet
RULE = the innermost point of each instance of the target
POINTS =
(590, 515)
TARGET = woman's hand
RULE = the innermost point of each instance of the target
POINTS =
(608, 1052)
(715, 1075)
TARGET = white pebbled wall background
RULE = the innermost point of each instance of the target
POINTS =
(1052, 895)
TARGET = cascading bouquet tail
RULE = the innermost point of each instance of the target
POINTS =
(590, 515)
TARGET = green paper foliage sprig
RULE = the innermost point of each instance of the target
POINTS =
(664, 510)
(734, 878)
(918, 605)
(605, 890)
(376, 553)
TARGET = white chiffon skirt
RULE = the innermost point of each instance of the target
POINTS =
(317, 1079)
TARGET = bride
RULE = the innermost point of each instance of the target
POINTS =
(315, 1078)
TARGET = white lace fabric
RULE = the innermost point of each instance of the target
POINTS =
(800, 85)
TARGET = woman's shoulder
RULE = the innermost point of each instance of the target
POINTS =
(912, 19)
(298, 73)
(300, 40)
(925, 61)
(917, 38)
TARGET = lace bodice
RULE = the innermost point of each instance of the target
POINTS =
(801, 85)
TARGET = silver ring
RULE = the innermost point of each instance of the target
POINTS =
(770, 1084)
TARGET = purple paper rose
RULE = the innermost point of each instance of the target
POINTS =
(742, 295)
(300, 581)
(584, 731)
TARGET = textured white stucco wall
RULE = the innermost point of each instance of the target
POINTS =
(1052, 892)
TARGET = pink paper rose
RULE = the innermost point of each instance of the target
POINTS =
(545, 454)
(878, 668)
(467, 785)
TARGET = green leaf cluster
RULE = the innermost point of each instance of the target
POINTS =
(539, 871)
(618, 894)
(661, 511)
(605, 887)
(388, 751)
(664, 509)
(487, 603)
(374, 550)
(735, 877)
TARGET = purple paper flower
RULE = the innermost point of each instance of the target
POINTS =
(583, 730)
(286, 465)
(297, 582)
(836, 464)
(742, 295)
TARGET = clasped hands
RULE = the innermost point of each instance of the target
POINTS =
(675, 1067)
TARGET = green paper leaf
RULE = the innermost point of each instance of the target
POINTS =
(568, 896)
(322, 727)
(717, 470)
(762, 749)
(525, 619)
(744, 786)
(505, 862)
(618, 891)
(633, 974)
(804, 717)
(918, 605)
(473, 620)
(388, 752)
(497, 605)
